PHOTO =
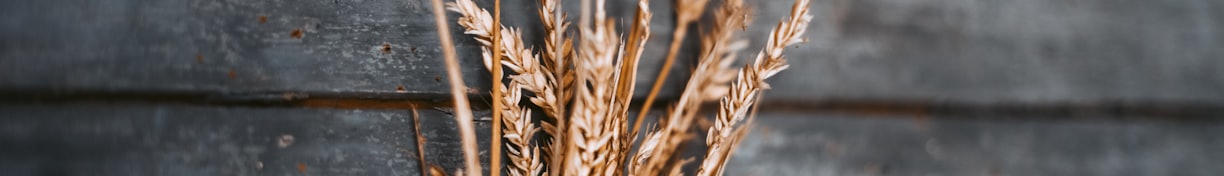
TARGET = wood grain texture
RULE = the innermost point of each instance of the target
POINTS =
(225, 46)
(167, 139)
(988, 52)
(1043, 51)
(840, 144)
(975, 52)
(201, 73)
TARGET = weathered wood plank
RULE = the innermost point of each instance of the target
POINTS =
(828, 144)
(971, 52)
(1043, 51)
(168, 139)
(225, 46)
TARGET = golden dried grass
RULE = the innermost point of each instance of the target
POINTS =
(558, 51)
(744, 92)
(519, 133)
(585, 88)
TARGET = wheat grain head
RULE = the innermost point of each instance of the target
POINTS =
(744, 91)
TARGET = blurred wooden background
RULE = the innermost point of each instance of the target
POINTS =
(883, 87)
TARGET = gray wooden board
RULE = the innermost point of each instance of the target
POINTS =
(1039, 51)
(145, 139)
(106, 138)
(965, 51)
(153, 45)
(832, 144)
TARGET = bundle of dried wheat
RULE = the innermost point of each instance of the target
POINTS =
(585, 90)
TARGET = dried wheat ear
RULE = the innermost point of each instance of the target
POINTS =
(584, 88)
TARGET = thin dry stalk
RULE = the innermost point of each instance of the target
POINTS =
(463, 111)
(495, 146)
(733, 107)
(420, 140)
(687, 13)
(712, 73)
(639, 34)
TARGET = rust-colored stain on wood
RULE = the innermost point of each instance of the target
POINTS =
(296, 33)
(233, 74)
(301, 167)
(263, 19)
(386, 48)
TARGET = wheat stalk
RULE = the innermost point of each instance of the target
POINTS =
(558, 46)
(529, 75)
(593, 131)
(744, 91)
(686, 13)
(535, 76)
(519, 133)
(639, 34)
(463, 112)
(495, 146)
(587, 99)
(521, 129)
(712, 73)
(558, 50)
(420, 140)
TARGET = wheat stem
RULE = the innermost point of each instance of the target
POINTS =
(639, 34)
(687, 13)
(711, 72)
(420, 140)
(463, 112)
(495, 145)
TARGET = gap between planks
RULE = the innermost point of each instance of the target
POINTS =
(1161, 111)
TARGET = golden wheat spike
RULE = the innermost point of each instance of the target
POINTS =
(733, 107)
(593, 132)
(519, 133)
(557, 52)
(711, 73)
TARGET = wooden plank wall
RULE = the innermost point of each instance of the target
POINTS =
(107, 138)
(882, 87)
